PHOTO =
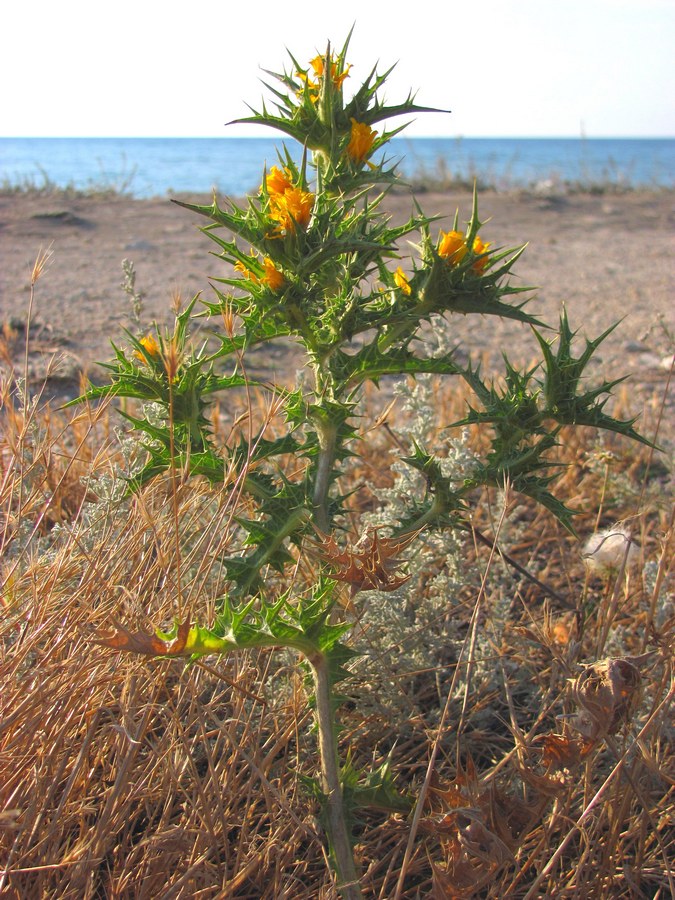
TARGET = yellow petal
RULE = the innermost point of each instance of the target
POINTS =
(401, 281)
(452, 246)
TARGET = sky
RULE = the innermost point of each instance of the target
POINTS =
(505, 68)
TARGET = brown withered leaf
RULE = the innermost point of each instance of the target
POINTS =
(511, 816)
(370, 564)
(451, 796)
(140, 642)
(466, 819)
(479, 840)
(472, 854)
(558, 758)
(545, 785)
(607, 693)
(560, 751)
(458, 882)
(465, 790)
(444, 825)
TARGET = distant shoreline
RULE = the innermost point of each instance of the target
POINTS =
(155, 167)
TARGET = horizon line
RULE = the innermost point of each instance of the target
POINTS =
(399, 137)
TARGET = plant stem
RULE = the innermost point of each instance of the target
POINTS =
(338, 833)
(327, 434)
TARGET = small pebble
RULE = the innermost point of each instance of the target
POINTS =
(635, 347)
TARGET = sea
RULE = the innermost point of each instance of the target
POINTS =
(233, 166)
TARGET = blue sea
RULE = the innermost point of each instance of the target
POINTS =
(147, 167)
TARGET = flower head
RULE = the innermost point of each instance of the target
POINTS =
(291, 209)
(337, 77)
(402, 282)
(361, 141)
(479, 247)
(151, 347)
(273, 278)
(246, 272)
(277, 180)
(289, 205)
(318, 65)
(452, 246)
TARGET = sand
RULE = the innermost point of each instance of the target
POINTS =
(604, 256)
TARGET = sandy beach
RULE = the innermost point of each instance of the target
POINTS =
(604, 256)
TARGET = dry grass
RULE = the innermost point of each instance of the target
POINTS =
(127, 778)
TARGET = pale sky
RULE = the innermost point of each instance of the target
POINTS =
(505, 68)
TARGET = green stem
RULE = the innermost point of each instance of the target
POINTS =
(327, 434)
(295, 519)
(338, 832)
(402, 330)
(431, 516)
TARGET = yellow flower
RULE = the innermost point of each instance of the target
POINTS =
(288, 205)
(318, 65)
(401, 280)
(246, 272)
(278, 180)
(273, 278)
(151, 347)
(361, 141)
(452, 247)
(292, 208)
(478, 248)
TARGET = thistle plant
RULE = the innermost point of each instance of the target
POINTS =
(312, 258)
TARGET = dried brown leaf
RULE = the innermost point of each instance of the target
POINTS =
(560, 751)
(607, 693)
(140, 642)
(370, 564)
